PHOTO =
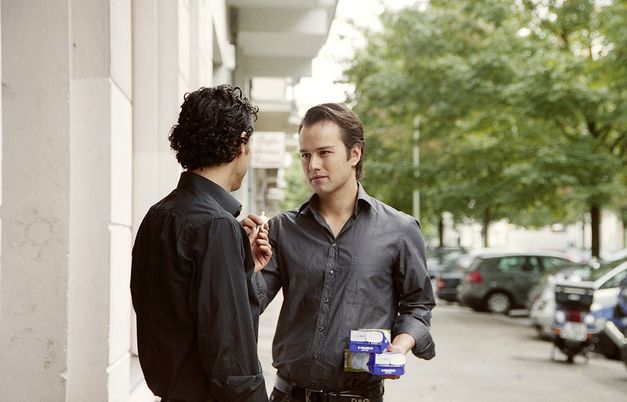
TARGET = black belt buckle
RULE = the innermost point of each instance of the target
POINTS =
(313, 395)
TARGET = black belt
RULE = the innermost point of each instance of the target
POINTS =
(320, 395)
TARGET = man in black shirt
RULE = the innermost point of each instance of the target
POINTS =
(197, 312)
(345, 261)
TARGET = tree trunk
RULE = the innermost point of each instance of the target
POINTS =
(441, 231)
(595, 228)
(486, 226)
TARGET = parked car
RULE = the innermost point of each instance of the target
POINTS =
(606, 282)
(500, 281)
(440, 257)
(450, 277)
(541, 298)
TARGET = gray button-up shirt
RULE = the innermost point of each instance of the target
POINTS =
(372, 275)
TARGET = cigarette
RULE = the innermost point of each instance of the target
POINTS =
(264, 218)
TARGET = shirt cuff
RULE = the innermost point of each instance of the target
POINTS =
(241, 388)
(425, 347)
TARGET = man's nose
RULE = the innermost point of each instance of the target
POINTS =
(314, 163)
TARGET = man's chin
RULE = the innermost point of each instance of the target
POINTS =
(318, 189)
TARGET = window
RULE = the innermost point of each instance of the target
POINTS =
(604, 269)
(615, 281)
(552, 262)
(518, 264)
(483, 264)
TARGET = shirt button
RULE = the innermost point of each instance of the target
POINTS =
(326, 300)
(321, 328)
(331, 272)
(333, 244)
(315, 357)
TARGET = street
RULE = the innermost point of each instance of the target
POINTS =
(483, 357)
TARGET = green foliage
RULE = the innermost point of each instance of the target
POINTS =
(522, 108)
(297, 189)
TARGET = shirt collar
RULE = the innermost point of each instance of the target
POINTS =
(206, 186)
(362, 199)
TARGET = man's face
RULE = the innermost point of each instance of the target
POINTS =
(241, 167)
(324, 159)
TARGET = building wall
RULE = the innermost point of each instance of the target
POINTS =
(100, 147)
(35, 208)
(92, 89)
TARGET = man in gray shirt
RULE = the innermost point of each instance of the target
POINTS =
(345, 261)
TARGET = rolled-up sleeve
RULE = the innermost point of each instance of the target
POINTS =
(416, 298)
(226, 337)
(268, 280)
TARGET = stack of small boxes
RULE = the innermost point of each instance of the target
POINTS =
(367, 353)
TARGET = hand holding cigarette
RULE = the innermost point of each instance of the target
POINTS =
(256, 228)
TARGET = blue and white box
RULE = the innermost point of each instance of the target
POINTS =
(387, 364)
(368, 340)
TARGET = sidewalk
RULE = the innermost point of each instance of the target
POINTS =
(267, 324)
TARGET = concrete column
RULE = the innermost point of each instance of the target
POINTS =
(35, 204)
(64, 330)
(195, 19)
(100, 201)
(156, 102)
(205, 44)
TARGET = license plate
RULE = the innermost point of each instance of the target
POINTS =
(574, 331)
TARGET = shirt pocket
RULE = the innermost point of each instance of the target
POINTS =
(370, 285)
(368, 300)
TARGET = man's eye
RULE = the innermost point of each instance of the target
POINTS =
(304, 156)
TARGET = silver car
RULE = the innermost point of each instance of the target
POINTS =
(542, 297)
(605, 280)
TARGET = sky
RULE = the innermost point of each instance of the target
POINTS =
(341, 43)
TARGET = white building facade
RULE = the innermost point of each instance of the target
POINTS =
(90, 89)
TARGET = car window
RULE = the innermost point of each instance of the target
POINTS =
(552, 262)
(483, 264)
(533, 265)
(615, 281)
(453, 265)
(518, 264)
(603, 269)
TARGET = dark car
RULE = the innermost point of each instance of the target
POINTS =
(451, 276)
(439, 257)
(500, 281)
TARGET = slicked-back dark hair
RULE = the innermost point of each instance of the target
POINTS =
(210, 125)
(351, 127)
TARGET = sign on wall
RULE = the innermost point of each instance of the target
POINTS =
(268, 150)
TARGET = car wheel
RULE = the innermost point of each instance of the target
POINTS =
(498, 302)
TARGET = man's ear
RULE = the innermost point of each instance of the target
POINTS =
(355, 154)
(244, 148)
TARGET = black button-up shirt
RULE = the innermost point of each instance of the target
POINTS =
(372, 275)
(197, 311)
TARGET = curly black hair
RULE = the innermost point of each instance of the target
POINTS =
(210, 126)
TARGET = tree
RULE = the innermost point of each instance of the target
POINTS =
(577, 82)
(520, 121)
